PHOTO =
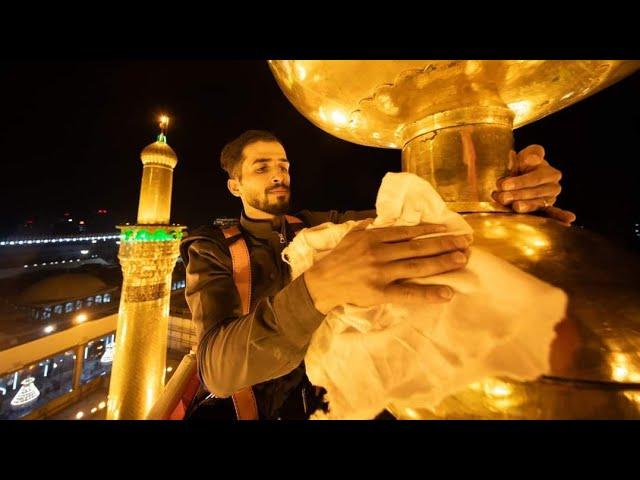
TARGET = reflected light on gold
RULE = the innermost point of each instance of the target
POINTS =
(302, 72)
(151, 396)
(633, 396)
(338, 117)
(538, 242)
(496, 388)
(525, 228)
(623, 368)
(412, 414)
(476, 386)
(521, 109)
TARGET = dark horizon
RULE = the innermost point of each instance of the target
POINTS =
(72, 132)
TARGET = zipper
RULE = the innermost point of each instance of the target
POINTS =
(283, 231)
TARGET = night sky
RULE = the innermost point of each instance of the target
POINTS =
(71, 134)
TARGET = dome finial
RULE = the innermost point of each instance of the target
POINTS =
(164, 125)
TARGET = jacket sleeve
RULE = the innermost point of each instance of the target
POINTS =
(235, 350)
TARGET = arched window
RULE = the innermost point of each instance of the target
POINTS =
(98, 298)
(78, 304)
(68, 307)
(88, 302)
(57, 309)
(106, 298)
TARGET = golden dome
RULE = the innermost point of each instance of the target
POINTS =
(159, 153)
(66, 286)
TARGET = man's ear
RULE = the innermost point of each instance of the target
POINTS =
(232, 185)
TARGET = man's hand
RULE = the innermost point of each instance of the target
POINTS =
(367, 267)
(533, 185)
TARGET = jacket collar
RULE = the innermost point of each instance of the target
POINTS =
(259, 228)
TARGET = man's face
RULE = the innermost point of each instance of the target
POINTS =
(265, 178)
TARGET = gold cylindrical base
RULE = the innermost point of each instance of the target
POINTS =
(463, 160)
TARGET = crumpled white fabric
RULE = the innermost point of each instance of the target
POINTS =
(500, 321)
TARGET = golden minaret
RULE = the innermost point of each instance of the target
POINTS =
(148, 254)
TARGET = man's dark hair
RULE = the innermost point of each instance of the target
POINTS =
(231, 155)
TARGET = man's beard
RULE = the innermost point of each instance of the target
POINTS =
(277, 206)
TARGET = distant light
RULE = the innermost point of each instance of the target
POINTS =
(101, 405)
(70, 220)
(94, 410)
(49, 328)
(169, 369)
(84, 252)
(79, 415)
(81, 318)
(93, 241)
(26, 266)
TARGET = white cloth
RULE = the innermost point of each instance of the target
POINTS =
(499, 322)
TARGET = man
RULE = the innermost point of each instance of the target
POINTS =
(265, 348)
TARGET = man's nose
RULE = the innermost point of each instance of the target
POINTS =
(277, 178)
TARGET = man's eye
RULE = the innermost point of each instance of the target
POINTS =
(261, 170)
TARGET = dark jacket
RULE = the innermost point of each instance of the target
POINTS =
(265, 348)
